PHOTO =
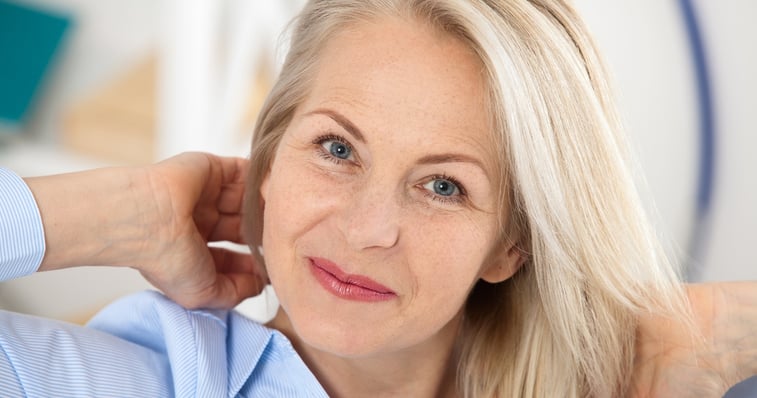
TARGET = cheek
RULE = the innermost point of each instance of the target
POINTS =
(297, 199)
(293, 196)
(290, 210)
(445, 263)
(448, 258)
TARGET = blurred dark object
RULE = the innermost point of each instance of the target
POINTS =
(746, 389)
(29, 39)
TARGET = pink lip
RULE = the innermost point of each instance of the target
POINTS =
(348, 286)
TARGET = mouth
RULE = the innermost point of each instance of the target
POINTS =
(348, 286)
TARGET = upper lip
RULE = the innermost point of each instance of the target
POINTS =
(354, 279)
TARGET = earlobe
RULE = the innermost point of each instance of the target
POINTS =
(264, 186)
(504, 265)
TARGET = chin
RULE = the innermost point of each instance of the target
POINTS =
(346, 345)
(345, 339)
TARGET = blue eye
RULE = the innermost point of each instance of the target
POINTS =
(337, 149)
(442, 187)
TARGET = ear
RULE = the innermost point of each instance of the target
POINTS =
(253, 226)
(264, 186)
(503, 264)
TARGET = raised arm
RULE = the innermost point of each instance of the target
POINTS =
(157, 219)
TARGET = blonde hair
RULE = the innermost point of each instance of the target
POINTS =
(564, 325)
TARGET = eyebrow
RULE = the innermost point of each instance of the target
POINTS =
(428, 159)
(451, 158)
(340, 120)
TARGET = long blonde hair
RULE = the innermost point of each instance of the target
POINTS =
(564, 325)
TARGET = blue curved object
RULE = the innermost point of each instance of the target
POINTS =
(707, 142)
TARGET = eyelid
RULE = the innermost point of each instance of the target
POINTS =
(330, 136)
(462, 197)
(334, 137)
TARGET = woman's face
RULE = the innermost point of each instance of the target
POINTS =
(380, 206)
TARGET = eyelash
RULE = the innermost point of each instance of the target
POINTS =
(326, 155)
(461, 198)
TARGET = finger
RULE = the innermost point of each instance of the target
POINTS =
(196, 167)
(232, 179)
(235, 279)
(218, 174)
(233, 169)
(216, 227)
(229, 262)
(239, 286)
(231, 198)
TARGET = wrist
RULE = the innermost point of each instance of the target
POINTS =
(740, 301)
(91, 218)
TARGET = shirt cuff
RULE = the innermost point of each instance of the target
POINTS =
(22, 237)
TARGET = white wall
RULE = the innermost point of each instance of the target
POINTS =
(732, 35)
(646, 46)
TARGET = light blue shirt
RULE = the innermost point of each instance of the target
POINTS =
(144, 345)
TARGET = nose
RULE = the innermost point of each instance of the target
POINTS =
(371, 218)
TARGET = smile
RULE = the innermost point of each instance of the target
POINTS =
(348, 286)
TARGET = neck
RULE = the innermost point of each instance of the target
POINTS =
(425, 370)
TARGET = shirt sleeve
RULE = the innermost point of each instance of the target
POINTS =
(143, 345)
(47, 358)
(22, 237)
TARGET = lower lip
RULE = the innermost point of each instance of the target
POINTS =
(346, 290)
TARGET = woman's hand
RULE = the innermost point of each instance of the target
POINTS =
(157, 219)
(198, 199)
(672, 360)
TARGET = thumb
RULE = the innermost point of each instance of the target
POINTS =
(231, 288)
(237, 277)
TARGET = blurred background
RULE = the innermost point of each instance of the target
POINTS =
(90, 83)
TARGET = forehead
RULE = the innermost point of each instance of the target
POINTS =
(405, 77)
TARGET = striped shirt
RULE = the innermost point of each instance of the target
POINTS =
(143, 345)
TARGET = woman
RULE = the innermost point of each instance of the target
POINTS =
(439, 195)
(527, 278)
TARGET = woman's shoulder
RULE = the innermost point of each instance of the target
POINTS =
(210, 350)
(153, 320)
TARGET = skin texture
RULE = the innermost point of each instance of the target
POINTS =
(672, 360)
(417, 98)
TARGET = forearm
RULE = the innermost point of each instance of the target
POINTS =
(91, 218)
(157, 219)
